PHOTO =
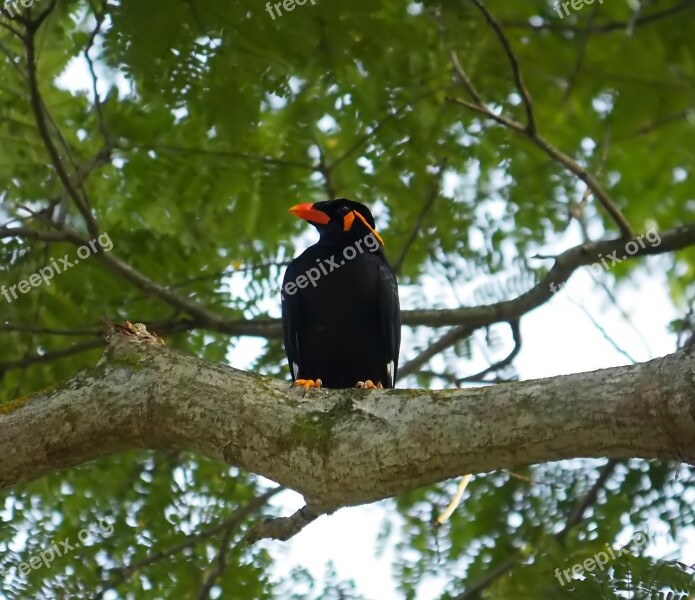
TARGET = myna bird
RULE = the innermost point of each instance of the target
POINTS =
(340, 309)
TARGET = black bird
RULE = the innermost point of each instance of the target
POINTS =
(340, 309)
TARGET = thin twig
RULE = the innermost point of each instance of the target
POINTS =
(35, 359)
(12, 30)
(604, 27)
(163, 328)
(391, 115)
(530, 131)
(652, 126)
(222, 154)
(99, 17)
(516, 334)
(468, 84)
(220, 564)
(231, 523)
(47, 331)
(583, 45)
(455, 501)
(574, 519)
(603, 332)
(35, 234)
(453, 380)
(630, 27)
(589, 499)
(34, 25)
(446, 341)
(38, 108)
(577, 212)
(429, 203)
(623, 314)
(516, 69)
(11, 56)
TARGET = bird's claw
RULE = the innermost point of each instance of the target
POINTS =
(369, 385)
(307, 383)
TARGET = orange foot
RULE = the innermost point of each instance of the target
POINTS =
(307, 383)
(369, 385)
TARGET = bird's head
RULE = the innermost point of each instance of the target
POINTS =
(338, 221)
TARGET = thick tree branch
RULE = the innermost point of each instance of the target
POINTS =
(344, 447)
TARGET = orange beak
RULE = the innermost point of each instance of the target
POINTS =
(309, 213)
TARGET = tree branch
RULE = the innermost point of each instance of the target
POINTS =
(499, 365)
(34, 359)
(268, 160)
(508, 310)
(530, 131)
(99, 18)
(574, 519)
(283, 528)
(447, 340)
(429, 203)
(343, 447)
(514, 62)
(39, 110)
(469, 318)
(228, 526)
(35, 234)
(589, 499)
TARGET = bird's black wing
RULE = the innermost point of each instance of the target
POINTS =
(390, 316)
(291, 320)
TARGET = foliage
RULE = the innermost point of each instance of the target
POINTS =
(213, 119)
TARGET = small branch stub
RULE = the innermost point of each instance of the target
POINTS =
(283, 528)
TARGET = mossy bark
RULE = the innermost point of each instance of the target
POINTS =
(344, 447)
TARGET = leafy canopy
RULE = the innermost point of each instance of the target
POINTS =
(213, 118)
